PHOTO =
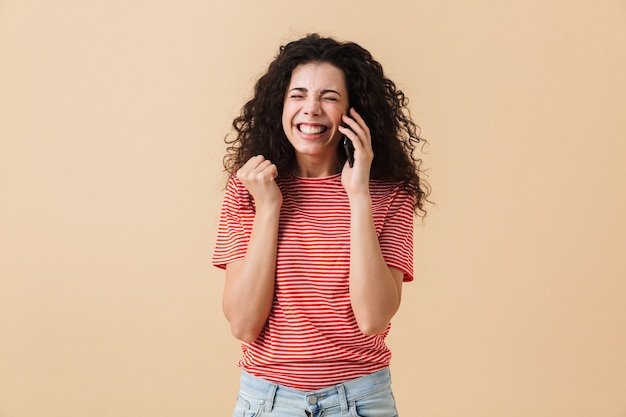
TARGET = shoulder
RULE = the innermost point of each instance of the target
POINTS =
(237, 194)
(393, 189)
(392, 198)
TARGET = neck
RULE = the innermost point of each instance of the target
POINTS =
(316, 169)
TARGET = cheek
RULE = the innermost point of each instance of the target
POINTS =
(286, 119)
(335, 115)
(286, 124)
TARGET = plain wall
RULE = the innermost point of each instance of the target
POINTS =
(112, 119)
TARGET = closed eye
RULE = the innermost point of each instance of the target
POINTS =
(297, 93)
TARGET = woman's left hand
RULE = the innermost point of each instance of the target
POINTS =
(355, 179)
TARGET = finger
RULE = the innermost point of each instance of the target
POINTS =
(255, 161)
(357, 117)
(356, 123)
(263, 172)
(351, 124)
(354, 132)
(266, 167)
(250, 165)
(366, 134)
(272, 170)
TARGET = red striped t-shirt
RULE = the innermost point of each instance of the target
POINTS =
(311, 339)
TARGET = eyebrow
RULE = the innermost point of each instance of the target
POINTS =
(304, 90)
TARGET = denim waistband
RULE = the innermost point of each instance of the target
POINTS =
(337, 395)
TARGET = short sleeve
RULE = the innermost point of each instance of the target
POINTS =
(396, 237)
(235, 225)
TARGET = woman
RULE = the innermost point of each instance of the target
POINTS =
(316, 246)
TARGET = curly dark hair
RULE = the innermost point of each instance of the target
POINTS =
(375, 97)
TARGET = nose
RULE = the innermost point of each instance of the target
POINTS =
(312, 107)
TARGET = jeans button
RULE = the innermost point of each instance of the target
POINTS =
(312, 399)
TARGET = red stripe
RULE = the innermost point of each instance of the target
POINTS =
(311, 339)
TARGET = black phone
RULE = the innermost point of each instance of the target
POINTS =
(349, 148)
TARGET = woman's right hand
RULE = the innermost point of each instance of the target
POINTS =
(258, 176)
(249, 287)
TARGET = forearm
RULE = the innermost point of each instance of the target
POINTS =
(249, 288)
(375, 291)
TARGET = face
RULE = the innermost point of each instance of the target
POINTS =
(314, 103)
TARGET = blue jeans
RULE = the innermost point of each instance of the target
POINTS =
(367, 396)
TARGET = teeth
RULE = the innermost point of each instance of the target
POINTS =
(311, 130)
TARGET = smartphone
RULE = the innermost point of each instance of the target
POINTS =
(349, 148)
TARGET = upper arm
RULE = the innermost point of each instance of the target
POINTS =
(232, 272)
(398, 278)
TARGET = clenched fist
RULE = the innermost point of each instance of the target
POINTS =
(258, 176)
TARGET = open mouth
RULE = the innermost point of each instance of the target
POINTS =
(311, 129)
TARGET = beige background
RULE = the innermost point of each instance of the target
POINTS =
(112, 115)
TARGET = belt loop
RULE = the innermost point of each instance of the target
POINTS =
(343, 400)
(269, 404)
